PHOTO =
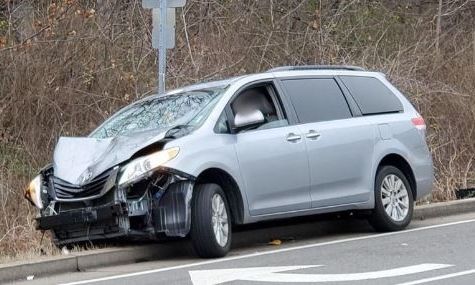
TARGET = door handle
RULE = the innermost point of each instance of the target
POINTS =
(293, 137)
(313, 135)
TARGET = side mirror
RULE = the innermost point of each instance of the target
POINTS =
(246, 119)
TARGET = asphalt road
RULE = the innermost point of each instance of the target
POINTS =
(342, 251)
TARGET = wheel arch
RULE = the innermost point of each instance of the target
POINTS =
(398, 161)
(230, 188)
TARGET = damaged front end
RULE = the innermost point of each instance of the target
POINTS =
(114, 182)
(139, 199)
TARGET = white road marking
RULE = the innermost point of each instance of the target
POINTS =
(272, 274)
(441, 277)
(231, 258)
(218, 276)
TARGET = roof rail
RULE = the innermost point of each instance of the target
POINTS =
(317, 67)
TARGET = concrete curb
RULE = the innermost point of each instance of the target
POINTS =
(89, 259)
(21, 270)
(133, 254)
(444, 209)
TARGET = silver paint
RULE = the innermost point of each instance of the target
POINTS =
(325, 167)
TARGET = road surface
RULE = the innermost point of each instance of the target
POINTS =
(336, 251)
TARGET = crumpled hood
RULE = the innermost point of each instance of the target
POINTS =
(77, 160)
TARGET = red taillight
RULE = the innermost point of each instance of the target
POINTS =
(419, 123)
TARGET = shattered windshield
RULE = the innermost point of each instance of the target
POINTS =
(189, 108)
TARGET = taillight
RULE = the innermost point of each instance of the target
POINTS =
(419, 123)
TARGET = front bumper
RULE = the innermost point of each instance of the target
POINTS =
(155, 207)
(106, 214)
(87, 224)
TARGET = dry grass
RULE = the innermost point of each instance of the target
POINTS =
(66, 65)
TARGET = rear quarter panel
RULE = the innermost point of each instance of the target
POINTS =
(402, 138)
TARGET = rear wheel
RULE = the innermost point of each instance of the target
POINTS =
(394, 202)
(210, 224)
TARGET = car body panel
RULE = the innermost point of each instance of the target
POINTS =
(78, 160)
(275, 170)
(340, 161)
(406, 141)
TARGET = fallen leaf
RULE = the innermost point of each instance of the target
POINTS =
(275, 242)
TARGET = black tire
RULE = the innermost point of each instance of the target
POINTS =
(379, 219)
(202, 234)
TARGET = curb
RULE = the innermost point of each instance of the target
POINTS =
(444, 209)
(22, 270)
(90, 259)
(133, 254)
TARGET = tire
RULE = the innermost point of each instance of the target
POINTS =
(203, 235)
(391, 199)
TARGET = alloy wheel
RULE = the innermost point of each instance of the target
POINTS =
(219, 220)
(394, 197)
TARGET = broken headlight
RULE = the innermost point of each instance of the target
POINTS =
(142, 166)
(33, 193)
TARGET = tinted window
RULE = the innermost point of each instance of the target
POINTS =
(317, 100)
(371, 95)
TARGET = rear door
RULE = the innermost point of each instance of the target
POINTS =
(339, 144)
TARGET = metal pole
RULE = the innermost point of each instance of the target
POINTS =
(162, 48)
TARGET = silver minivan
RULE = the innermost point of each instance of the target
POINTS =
(292, 141)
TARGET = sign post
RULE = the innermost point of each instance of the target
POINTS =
(163, 32)
(162, 50)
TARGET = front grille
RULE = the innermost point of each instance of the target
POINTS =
(66, 190)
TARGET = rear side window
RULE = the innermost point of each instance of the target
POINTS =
(317, 100)
(371, 95)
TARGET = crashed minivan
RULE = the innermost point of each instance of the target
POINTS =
(193, 162)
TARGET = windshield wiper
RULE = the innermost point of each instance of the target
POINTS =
(178, 131)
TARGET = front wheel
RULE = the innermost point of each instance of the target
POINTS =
(210, 221)
(394, 202)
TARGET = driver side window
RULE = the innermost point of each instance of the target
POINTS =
(259, 108)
